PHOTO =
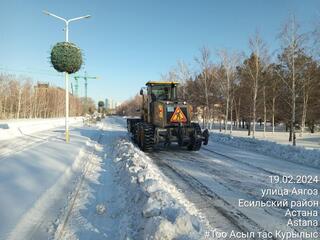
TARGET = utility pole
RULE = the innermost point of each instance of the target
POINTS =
(66, 75)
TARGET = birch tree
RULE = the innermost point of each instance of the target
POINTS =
(254, 69)
(204, 63)
(183, 74)
(291, 44)
(273, 86)
(308, 81)
(229, 62)
(20, 98)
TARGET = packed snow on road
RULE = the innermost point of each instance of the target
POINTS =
(101, 186)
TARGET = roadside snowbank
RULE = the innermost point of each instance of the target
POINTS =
(296, 154)
(15, 128)
(31, 224)
(36, 176)
(163, 212)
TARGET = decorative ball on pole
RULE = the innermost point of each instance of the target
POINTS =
(66, 57)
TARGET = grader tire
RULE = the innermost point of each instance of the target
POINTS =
(146, 137)
(195, 144)
(135, 132)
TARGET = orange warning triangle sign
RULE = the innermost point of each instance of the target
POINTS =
(178, 116)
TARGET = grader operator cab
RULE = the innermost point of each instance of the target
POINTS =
(165, 119)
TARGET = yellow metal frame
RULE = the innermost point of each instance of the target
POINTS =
(160, 83)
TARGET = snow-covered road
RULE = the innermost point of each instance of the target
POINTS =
(217, 176)
(101, 186)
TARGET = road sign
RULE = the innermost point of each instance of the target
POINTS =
(178, 116)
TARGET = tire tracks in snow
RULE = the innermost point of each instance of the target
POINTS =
(238, 219)
(268, 172)
(203, 164)
(231, 184)
(17, 148)
(26, 142)
(270, 211)
(239, 161)
(61, 230)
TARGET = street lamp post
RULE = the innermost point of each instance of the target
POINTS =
(66, 75)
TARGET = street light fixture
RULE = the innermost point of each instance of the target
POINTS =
(66, 75)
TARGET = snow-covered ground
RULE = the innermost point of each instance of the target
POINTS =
(37, 172)
(307, 140)
(101, 186)
(22, 127)
(297, 154)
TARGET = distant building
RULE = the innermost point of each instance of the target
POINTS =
(110, 104)
(106, 104)
(42, 85)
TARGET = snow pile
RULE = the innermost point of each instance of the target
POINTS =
(309, 157)
(15, 128)
(163, 215)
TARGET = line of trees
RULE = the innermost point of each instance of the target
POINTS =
(21, 98)
(130, 107)
(280, 87)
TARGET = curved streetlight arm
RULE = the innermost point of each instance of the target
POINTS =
(78, 18)
(65, 20)
(53, 15)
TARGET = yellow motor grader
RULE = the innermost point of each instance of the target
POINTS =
(165, 119)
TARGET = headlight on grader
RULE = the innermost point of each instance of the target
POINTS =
(160, 111)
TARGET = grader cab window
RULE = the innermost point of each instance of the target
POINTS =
(164, 92)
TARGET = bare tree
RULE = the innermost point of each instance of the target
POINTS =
(273, 86)
(20, 98)
(204, 63)
(229, 62)
(291, 43)
(264, 111)
(129, 107)
(183, 75)
(170, 76)
(255, 68)
(309, 81)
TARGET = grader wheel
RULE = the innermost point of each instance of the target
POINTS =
(145, 136)
(195, 142)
